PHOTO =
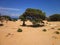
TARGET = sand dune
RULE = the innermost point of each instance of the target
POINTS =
(29, 35)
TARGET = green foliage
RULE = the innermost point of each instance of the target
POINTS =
(23, 18)
(34, 15)
(44, 30)
(19, 30)
(36, 21)
(54, 17)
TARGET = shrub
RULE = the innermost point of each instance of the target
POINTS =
(57, 32)
(58, 28)
(1, 24)
(44, 30)
(19, 30)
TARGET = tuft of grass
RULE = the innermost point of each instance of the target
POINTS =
(58, 28)
(57, 32)
(19, 30)
(44, 30)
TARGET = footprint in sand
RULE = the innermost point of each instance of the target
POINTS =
(54, 37)
(9, 34)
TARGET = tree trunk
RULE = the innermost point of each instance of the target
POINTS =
(24, 23)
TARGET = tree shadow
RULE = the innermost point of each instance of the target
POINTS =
(34, 26)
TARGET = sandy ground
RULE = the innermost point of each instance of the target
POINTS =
(29, 35)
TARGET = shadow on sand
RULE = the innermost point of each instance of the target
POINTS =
(34, 26)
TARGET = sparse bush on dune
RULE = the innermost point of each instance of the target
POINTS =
(19, 30)
(44, 30)
(1, 24)
(58, 28)
(57, 32)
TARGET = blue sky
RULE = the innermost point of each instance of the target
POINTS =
(17, 7)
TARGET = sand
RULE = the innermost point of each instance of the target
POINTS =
(29, 35)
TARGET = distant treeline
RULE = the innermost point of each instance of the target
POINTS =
(54, 17)
(6, 17)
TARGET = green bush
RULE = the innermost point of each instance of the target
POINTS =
(44, 30)
(19, 30)
(57, 32)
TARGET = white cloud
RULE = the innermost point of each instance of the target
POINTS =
(2, 8)
(15, 15)
(10, 11)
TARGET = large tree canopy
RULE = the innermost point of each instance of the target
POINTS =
(34, 15)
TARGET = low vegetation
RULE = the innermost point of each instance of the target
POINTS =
(19, 30)
(57, 32)
(58, 28)
(1, 24)
(44, 30)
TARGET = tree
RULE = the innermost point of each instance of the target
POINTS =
(34, 15)
(54, 17)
